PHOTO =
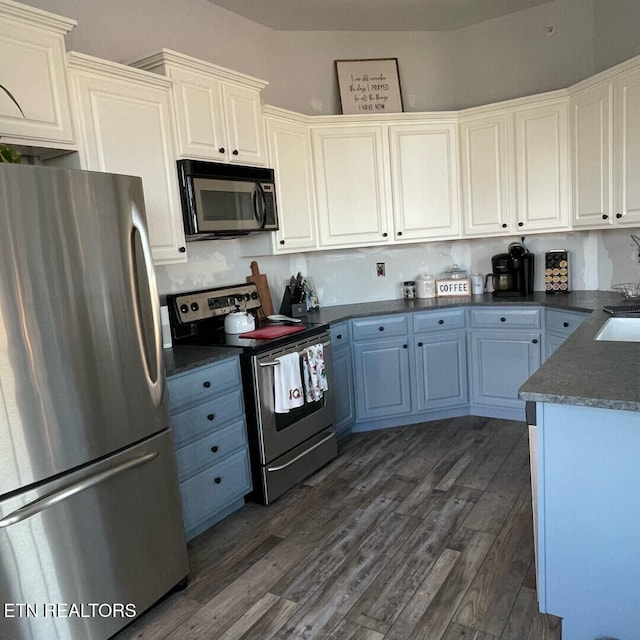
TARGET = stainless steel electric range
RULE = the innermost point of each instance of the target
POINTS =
(285, 447)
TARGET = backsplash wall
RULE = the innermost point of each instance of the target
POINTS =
(597, 260)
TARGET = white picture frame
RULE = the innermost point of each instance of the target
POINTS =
(370, 85)
(454, 287)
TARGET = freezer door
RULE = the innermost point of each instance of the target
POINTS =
(82, 555)
(80, 349)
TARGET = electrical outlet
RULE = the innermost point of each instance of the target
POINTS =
(380, 272)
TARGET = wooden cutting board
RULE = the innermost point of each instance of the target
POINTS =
(260, 280)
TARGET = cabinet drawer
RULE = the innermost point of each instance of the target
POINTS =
(340, 333)
(380, 327)
(211, 449)
(505, 318)
(563, 323)
(212, 489)
(202, 419)
(438, 320)
(203, 383)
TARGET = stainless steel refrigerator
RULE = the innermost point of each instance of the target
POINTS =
(90, 521)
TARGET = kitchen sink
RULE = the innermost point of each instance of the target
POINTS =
(620, 330)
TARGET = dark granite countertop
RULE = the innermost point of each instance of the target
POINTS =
(182, 358)
(585, 301)
(582, 371)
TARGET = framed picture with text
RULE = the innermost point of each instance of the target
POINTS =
(369, 86)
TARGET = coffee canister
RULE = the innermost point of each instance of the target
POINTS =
(425, 286)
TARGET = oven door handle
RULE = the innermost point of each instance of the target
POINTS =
(301, 455)
(275, 363)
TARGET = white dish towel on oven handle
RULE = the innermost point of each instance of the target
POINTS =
(315, 375)
(287, 383)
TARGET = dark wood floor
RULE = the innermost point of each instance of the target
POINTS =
(415, 533)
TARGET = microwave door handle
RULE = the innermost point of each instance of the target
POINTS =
(260, 210)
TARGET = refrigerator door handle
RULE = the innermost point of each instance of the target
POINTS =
(47, 501)
(155, 379)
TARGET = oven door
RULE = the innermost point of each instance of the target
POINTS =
(279, 433)
(233, 206)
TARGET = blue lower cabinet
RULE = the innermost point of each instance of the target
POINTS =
(210, 436)
(588, 525)
(501, 361)
(382, 378)
(343, 384)
(441, 370)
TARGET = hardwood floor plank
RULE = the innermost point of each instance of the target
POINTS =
(458, 632)
(497, 501)
(162, 619)
(387, 596)
(490, 456)
(263, 620)
(413, 533)
(492, 593)
(319, 616)
(348, 630)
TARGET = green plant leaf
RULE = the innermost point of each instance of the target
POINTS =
(12, 98)
(9, 154)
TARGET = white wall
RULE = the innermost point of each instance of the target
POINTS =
(597, 260)
(494, 60)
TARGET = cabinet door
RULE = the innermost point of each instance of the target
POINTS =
(290, 155)
(501, 363)
(352, 185)
(125, 119)
(424, 163)
(591, 111)
(441, 370)
(542, 167)
(32, 58)
(199, 115)
(486, 181)
(245, 129)
(382, 379)
(627, 148)
(343, 389)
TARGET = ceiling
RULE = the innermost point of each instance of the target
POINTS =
(372, 15)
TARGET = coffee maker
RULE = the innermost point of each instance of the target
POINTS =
(512, 271)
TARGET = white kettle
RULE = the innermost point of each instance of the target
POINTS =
(239, 322)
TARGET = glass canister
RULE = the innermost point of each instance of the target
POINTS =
(425, 286)
(455, 272)
(408, 289)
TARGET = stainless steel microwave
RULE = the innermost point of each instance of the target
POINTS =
(225, 199)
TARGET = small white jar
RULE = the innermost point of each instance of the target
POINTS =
(425, 286)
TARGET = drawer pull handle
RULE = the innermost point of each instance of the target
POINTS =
(211, 417)
(535, 341)
(217, 480)
(206, 384)
(380, 328)
(440, 321)
(503, 319)
(420, 344)
(339, 336)
(214, 449)
(565, 324)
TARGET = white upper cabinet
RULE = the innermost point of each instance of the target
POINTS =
(592, 167)
(542, 167)
(218, 111)
(125, 125)
(32, 63)
(515, 167)
(627, 147)
(289, 144)
(352, 185)
(424, 175)
(606, 148)
(486, 184)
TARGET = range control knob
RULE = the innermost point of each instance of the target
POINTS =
(184, 308)
(194, 306)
